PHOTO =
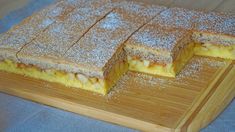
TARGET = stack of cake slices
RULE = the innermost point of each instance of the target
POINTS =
(91, 44)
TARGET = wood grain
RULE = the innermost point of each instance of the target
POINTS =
(144, 102)
(216, 103)
(138, 101)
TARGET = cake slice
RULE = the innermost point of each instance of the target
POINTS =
(159, 50)
(41, 57)
(99, 55)
(52, 44)
(214, 35)
(67, 51)
(177, 18)
(14, 39)
(98, 59)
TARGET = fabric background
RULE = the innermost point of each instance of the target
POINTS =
(18, 115)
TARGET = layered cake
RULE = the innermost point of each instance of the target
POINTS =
(91, 44)
(213, 33)
(85, 50)
(159, 50)
(13, 40)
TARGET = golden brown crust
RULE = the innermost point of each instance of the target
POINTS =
(157, 43)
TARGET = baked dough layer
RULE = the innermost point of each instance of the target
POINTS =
(75, 80)
(212, 50)
(167, 69)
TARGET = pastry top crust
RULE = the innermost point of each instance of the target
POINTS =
(219, 23)
(216, 27)
(32, 26)
(156, 43)
(60, 36)
(216, 23)
(177, 18)
(101, 46)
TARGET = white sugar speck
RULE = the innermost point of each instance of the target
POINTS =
(113, 21)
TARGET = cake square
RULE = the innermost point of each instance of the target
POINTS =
(177, 18)
(52, 44)
(159, 50)
(213, 32)
(13, 40)
(85, 50)
(99, 54)
(214, 35)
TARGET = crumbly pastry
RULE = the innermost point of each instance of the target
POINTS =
(100, 52)
(177, 18)
(12, 41)
(47, 49)
(213, 32)
(214, 35)
(159, 50)
(91, 44)
(86, 49)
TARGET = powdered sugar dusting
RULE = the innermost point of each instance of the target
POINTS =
(199, 21)
(60, 36)
(158, 38)
(113, 22)
(152, 81)
(216, 23)
(25, 31)
(32, 26)
(193, 68)
(98, 46)
(177, 17)
(118, 89)
(143, 9)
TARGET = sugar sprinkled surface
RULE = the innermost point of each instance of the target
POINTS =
(192, 71)
(216, 23)
(100, 42)
(143, 9)
(58, 38)
(177, 17)
(31, 27)
(24, 32)
(98, 46)
(158, 38)
(118, 89)
(193, 68)
(113, 22)
(152, 81)
(197, 20)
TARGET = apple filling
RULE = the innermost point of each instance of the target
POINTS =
(162, 69)
(99, 85)
(212, 50)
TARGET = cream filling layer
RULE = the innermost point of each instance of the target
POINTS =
(76, 80)
(166, 69)
(212, 50)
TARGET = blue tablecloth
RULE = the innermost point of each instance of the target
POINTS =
(20, 115)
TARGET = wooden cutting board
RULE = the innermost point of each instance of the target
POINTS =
(149, 103)
(189, 102)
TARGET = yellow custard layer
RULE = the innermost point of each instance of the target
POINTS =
(168, 70)
(226, 52)
(97, 85)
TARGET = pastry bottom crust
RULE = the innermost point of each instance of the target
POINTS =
(98, 85)
(168, 70)
(212, 50)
